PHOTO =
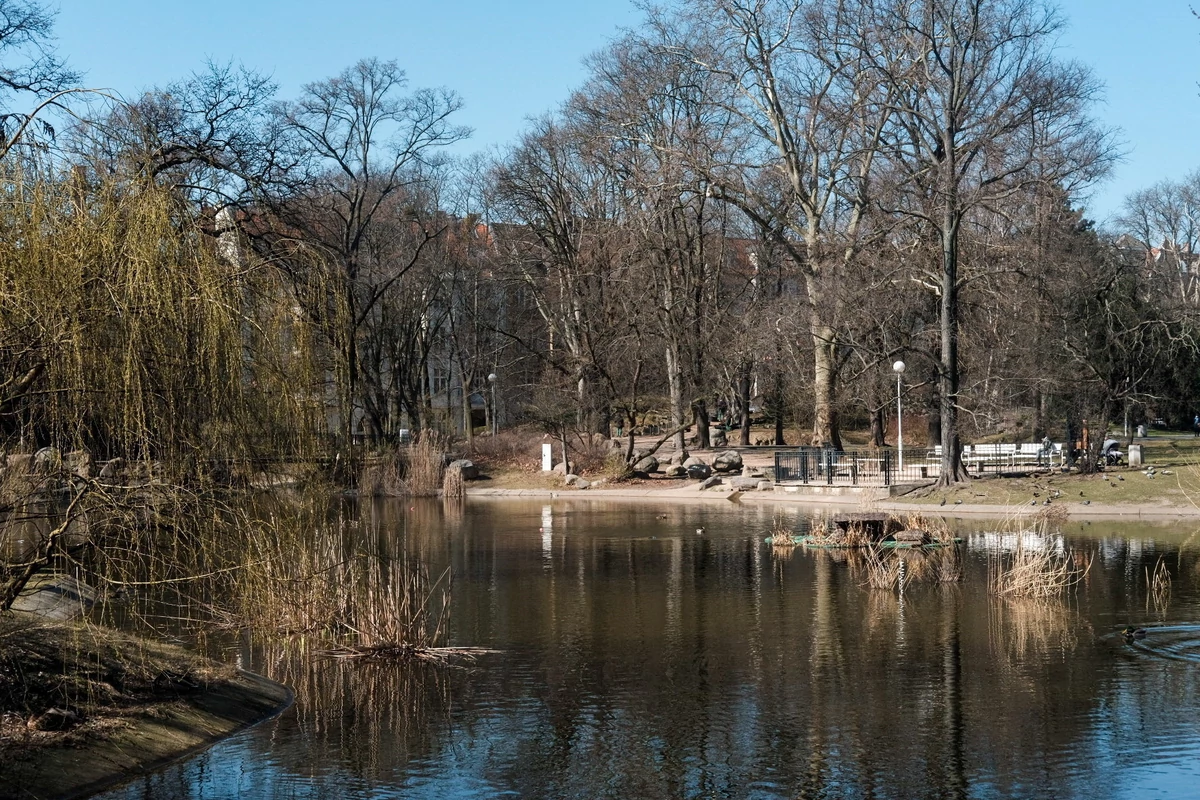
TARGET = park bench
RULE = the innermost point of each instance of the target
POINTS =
(1001, 455)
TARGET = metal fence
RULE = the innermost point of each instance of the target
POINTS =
(820, 465)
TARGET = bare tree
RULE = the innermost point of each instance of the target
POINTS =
(358, 144)
(982, 108)
(798, 76)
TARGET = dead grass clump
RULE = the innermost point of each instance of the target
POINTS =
(1035, 572)
(453, 484)
(426, 462)
(384, 476)
(938, 528)
(781, 533)
(880, 568)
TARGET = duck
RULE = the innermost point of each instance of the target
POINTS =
(699, 531)
(1134, 633)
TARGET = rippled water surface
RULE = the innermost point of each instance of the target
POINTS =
(642, 658)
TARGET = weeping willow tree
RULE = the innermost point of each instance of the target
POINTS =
(126, 338)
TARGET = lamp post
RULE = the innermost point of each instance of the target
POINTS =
(898, 368)
(492, 381)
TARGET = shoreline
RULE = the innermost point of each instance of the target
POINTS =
(143, 743)
(846, 498)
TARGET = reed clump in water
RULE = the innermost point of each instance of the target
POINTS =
(1036, 572)
(782, 535)
(347, 586)
(1158, 583)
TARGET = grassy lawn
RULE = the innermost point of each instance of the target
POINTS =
(1176, 481)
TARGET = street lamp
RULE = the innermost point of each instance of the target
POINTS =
(898, 368)
(492, 381)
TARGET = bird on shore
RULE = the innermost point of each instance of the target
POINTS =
(1087, 502)
(699, 531)
(958, 502)
(943, 502)
(1131, 633)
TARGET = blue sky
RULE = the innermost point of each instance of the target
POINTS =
(512, 59)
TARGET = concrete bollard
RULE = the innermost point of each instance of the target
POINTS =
(1135, 455)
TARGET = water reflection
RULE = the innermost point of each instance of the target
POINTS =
(642, 659)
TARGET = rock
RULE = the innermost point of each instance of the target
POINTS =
(79, 462)
(561, 468)
(581, 484)
(676, 471)
(48, 459)
(113, 468)
(718, 439)
(912, 536)
(708, 483)
(699, 471)
(679, 457)
(646, 465)
(728, 461)
(766, 486)
(744, 483)
(693, 462)
(572, 479)
(469, 471)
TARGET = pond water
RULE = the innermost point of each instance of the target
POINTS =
(641, 658)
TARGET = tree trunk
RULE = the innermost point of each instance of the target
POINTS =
(777, 409)
(700, 417)
(878, 429)
(675, 390)
(952, 470)
(824, 411)
(744, 404)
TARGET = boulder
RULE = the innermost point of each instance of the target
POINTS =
(581, 484)
(708, 483)
(912, 536)
(469, 471)
(679, 458)
(676, 471)
(694, 461)
(766, 486)
(743, 483)
(48, 459)
(113, 468)
(572, 479)
(79, 462)
(699, 471)
(717, 438)
(646, 465)
(561, 468)
(727, 461)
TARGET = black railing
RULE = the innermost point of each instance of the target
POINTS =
(824, 465)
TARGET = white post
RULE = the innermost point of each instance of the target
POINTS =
(898, 368)
(495, 410)
(547, 457)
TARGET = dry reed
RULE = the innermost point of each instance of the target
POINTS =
(453, 484)
(1035, 572)
(426, 462)
(1158, 582)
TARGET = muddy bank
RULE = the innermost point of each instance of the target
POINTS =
(86, 709)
